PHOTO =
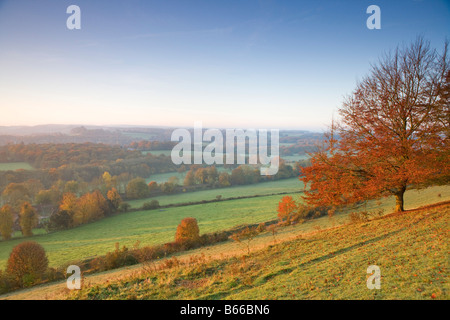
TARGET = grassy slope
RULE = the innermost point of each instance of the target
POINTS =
(155, 227)
(379, 243)
(410, 249)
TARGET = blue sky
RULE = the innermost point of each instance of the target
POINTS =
(261, 64)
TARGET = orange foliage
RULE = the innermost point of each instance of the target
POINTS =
(28, 219)
(90, 207)
(392, 135)
(114, 198)
(286, 208)
(27, 262)
(187, 230)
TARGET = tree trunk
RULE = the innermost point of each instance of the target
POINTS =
(399, 200)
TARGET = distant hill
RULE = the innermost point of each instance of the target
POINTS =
(80, 134)
(293, 140)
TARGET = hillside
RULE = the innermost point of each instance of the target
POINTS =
(410, 249)
(158, 226)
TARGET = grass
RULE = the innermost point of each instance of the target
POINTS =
(15, 166)
(299, 263)
(263, 188)
(149, 227)
(158, 152)
(158, 226)
(410, 249)
(302, 263)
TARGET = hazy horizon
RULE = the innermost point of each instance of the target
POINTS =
(113, 126)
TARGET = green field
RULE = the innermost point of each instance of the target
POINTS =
(158, 226)
(169, 152)
(409, 249)
(291, 158)
(15, 166)
(263, 188)
(158, 152)
(294, 158)
(149, 227)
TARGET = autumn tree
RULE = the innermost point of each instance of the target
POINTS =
(51, 196)
(6, 222)
(286, 208)
(237, 176)
(152, 186)
(33, 186)
(15, 194)
(201, 175)
(114, 198)
(72, 186)
(168, 187)
(122, 181)
(213, 175)
(189, 179)
(392, 135)
(90, 207)
(28, 219)
(109, 181)
(187, 231)
(137, 189)
(224, 179)
(69, 205)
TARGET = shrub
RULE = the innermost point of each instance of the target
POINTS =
(261, 227)
(7, 282)
(119, 258)
(187, 231)
(53, 274)
(27, 263)
(154, 204)
(168, 187)
(124, 207)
